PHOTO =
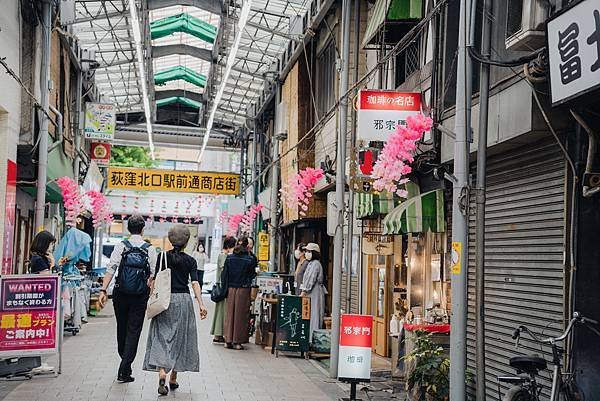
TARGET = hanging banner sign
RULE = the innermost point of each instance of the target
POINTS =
(574, 51)
(173, 181)
(9, 216)
(380, 112)
(101, 153)
(100, 121)
(29, 314)
(355, 347)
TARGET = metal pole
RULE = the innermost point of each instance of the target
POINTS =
(484, 92)
(340, 187)
(40, 204)
(277, 136)
(352, 143)
(254, 176)
(78, 126)
(458, 333)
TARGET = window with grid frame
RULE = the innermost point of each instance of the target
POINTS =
(407, 62)
(326, 78)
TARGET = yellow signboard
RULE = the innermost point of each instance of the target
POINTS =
(263, 247)
(456, 257)
(173, 181)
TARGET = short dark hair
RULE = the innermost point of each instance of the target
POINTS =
(41, 242)
(301, 246)
(229, 242)
(136, 224)
(242, 246)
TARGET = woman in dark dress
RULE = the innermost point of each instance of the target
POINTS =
(238, 273)
(172, 339)
(42, 261)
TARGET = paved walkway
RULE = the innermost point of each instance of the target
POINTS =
(90, 363)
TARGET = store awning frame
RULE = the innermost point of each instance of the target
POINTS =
(392, 11)
(417, 215)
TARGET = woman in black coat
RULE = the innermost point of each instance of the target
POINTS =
(238, 273)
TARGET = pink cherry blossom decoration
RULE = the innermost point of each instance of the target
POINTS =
(298, 191)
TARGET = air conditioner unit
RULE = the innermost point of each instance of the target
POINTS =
(525, 24)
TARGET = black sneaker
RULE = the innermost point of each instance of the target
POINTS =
(125, 378)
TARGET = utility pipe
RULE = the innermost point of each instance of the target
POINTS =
(340, 188)
(484, 93)
(59, 127)
(78, 126)
(40, 204)
(458, 332)
(588, 192)
(277, 137)
(352, 144)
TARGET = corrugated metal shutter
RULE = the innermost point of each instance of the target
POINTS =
(525, 241)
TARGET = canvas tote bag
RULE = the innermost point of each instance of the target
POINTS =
(161, 293)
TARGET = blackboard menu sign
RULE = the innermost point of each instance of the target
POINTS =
(293, 323)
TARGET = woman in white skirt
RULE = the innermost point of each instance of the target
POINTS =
(173, 339)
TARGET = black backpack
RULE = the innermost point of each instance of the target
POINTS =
(134, 270)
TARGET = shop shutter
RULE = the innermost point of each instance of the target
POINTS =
(525, 245)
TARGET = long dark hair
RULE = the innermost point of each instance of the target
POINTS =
(41, 242)
(242, 247)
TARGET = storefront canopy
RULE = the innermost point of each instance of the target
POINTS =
(417, 215)
(371, 205)
(392, 11)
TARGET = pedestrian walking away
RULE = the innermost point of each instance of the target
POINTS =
(201, 259)
(218, 319)
(238, 273)
(132, 263)
(313, 287)
(172, 344)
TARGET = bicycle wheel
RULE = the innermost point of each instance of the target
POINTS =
(518, 393)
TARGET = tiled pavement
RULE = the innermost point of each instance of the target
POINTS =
(90, 362)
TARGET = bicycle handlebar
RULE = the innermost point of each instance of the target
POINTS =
(577, 318)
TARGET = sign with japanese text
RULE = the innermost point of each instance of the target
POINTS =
(9, 216)
(100, 121)
(574, 51)
(293, 323)
(173, 181)
(29, 314)
(380, 112)
(263, 247)
(355, 347)
(100, 152)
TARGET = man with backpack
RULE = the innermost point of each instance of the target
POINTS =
(133, 262)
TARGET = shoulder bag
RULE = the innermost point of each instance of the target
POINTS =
(219, 290)
(161, 293)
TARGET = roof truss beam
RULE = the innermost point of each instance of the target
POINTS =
(164, 94)
(213, 6)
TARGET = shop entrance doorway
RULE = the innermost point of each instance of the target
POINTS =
(379, 300)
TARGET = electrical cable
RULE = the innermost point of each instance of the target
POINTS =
(504, 63)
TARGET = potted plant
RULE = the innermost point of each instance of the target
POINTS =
(428, 379)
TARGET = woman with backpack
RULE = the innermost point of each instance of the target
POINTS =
(172, 339)
(238, 273)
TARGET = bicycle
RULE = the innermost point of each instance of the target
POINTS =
(525, 386)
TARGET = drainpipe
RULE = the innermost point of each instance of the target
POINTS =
(340, 188)
(484, 92)
(588, 192)
(78, 126)
(40, 204)
(59, 127)
(352, 144)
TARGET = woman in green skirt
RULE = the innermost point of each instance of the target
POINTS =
(216, 329)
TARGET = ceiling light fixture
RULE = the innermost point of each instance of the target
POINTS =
(243, 19)
(137, 37)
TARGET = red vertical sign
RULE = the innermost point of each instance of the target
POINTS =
(9, 217)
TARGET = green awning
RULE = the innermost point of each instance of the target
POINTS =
(391, 10)
(183, 23)
(382, 203)
(180, 72)
(178, 99)
(417, 215)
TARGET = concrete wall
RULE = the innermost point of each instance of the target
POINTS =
(10, 96)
